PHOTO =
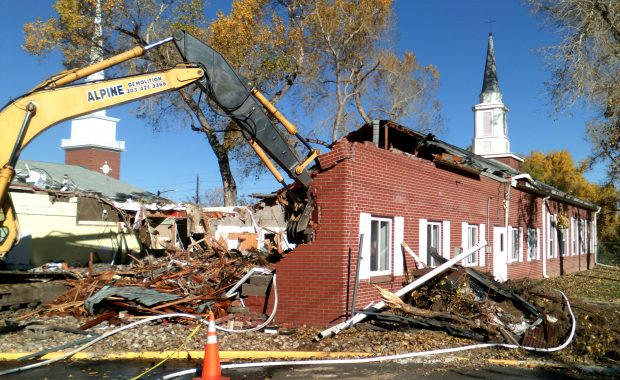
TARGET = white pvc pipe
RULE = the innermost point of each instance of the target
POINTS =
(273, 313)
(380, 305)
(394, 357)
(544, 237)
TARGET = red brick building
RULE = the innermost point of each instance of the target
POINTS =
(428, 194)
(393, 185)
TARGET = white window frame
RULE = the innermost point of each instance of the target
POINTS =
(591, 236)
(535, 249)
(582, 236)
(429, 259)
(472, 260)
(565, 251)
(388, 246)
(518, 255)
(573, 236)
(552, 237)
(481, 253)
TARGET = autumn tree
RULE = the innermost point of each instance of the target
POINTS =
(558, 169)
(337, 56)
(249, 37)
(586, 67)
(350, 67)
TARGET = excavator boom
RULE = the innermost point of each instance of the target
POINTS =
(57, 100)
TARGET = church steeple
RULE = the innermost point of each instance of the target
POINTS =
(490, 85)
(490, 124)
(490, 128)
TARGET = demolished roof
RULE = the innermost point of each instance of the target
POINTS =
(47, 175)
(390, 135)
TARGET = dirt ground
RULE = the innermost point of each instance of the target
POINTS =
(595, 299)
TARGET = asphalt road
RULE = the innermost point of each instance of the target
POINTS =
(390, 370)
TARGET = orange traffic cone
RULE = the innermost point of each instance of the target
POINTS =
(211, 369)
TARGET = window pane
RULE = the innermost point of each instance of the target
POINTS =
(384, 246)
(472, 239)
(374, 244)
(515, 244)
(432, 242)
(380, 244)
(531, 242)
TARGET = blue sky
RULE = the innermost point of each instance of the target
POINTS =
(451, 35)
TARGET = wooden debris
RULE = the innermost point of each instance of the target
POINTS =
(198, 279)
(464, 302)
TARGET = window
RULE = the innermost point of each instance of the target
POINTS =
(93, 212)
(563, 241)
(574, 232)
(552, 236)
(532, 243)
(582, 240)
(381, 238)
(516, 242)
(433, 241)
(380, 247)
(472, 239)
(591, 235)
(487, 127)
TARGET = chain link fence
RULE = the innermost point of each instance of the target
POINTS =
(609, 253)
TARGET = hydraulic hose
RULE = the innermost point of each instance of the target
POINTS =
(395, 357)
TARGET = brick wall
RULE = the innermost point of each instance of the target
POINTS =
(94, 158)
(315, 281)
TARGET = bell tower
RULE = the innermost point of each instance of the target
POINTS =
(93, 143)
(490, 122)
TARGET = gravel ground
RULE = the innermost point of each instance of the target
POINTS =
(160, 336)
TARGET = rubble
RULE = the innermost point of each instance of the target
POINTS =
(453, 309)
(180, 282)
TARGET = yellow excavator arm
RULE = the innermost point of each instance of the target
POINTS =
(57, 100)
(54, 101)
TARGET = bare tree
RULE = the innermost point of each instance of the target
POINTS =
(351, 74)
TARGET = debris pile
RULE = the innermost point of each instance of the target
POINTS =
(467, 304)
(180, 282)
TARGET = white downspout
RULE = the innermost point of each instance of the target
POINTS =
(544, 237)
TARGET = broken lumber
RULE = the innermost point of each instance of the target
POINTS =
(380, 305)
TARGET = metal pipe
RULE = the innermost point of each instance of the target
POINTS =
(292, 129)
(31, 109)
(8, 171)
(488, 230)
(420, 281)
(357, 274)
(119, 58)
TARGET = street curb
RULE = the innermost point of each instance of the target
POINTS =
(527, 363)
(190, 355)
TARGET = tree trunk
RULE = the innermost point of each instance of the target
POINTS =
(229, 185)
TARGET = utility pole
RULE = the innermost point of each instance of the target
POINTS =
(197, 192)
